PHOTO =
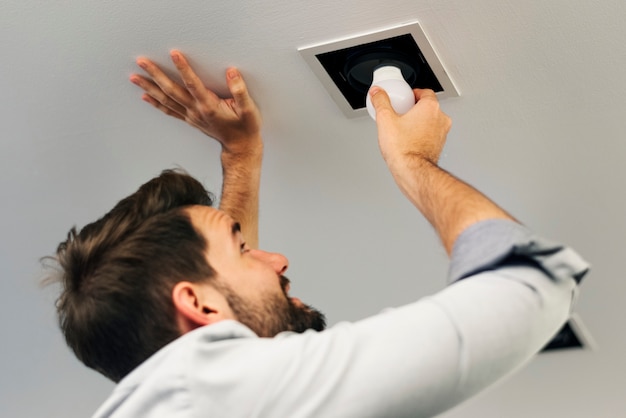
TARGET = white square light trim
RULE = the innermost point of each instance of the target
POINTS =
(413, 28)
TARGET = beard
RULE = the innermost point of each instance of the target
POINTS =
(271, 317)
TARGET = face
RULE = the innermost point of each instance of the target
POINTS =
(252, 280)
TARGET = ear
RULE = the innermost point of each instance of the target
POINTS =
(196, 305)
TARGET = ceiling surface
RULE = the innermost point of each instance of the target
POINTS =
(538, 127)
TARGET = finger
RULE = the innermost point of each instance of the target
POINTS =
(146, 97)
(238, 89)
(424, 94)
(380, 101)
(169, 87)
(155, 92)
(192, 82)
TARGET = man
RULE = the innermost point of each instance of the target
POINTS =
(172, 299)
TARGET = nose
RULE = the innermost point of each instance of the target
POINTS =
(278, 261)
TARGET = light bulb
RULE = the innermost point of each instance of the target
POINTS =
(390, 79)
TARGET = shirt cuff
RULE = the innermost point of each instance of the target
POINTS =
(493, 243)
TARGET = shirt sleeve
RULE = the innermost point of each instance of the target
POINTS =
(492, 243)
(510, 293)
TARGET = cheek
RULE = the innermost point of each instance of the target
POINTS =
(258, 281)
(270, 284)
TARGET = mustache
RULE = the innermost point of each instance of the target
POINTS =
(284, 282)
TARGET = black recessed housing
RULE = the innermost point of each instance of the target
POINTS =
(351, 69)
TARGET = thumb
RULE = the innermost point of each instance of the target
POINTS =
(380, 101)
(238, 89)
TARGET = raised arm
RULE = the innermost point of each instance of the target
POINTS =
(411, 145)
(234, 122)
(511, 291)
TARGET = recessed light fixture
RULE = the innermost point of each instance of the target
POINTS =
(346, 66)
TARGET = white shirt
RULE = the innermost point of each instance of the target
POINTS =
(510, 293)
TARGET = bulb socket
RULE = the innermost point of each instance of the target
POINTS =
(360, 66)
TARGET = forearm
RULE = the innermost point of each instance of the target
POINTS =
(240, 190)
(449, 204)
(234, 122)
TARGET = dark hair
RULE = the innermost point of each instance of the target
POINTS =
(117, 274)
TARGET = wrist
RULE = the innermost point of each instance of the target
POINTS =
(250, 150)
(409, 161)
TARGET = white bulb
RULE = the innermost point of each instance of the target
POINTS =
(390, 79)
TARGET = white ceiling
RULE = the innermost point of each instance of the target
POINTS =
(538, 127)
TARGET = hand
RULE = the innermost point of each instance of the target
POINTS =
(411, 145)
(420, 132)
(234, 122)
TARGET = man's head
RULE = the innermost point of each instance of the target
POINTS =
(129, 277)
(248, 286)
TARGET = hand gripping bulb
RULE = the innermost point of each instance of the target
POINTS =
(390, 79)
